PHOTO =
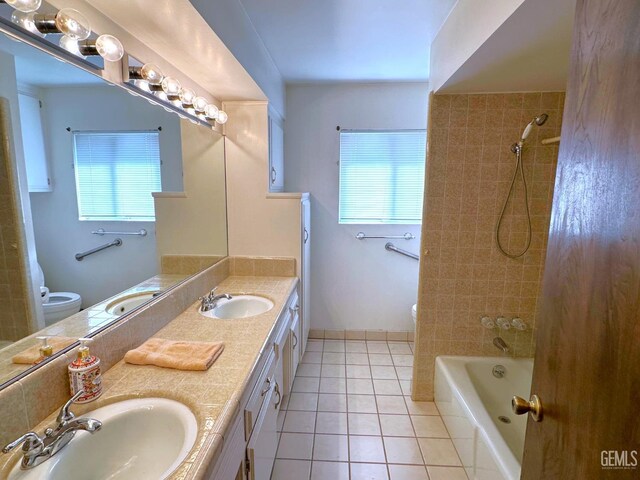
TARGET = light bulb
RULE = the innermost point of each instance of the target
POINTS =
(27, 6)
(72, 23)
(142, 85)
(151, 73)
(187, 96)
(70, 45)
(199, 104)
(211, 112)
(171, 87)
(222, 117)
(109, 48)
(162, 96)
(25, 20)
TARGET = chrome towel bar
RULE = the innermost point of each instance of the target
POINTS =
(392, 248)
(101, 231)
(116, 243)
(406, 236)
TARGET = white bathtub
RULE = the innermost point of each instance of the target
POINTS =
(471, 400)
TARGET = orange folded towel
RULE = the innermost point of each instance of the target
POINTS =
(32, 354)
(175, 354)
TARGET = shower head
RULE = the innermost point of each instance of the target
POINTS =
(539, 120)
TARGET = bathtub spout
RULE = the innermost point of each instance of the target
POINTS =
(500, 343)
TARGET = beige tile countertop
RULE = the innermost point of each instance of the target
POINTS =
(214, 395)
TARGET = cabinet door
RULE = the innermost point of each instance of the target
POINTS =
(276, 155)
(305, 275)
(262, 446)
(295, 343)
(33, 144)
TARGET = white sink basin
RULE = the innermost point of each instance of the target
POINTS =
(125, 304)
(145, 438)
(240, 306)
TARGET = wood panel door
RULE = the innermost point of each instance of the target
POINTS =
(587, 365)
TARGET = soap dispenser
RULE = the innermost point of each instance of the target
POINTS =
(46, 350)
(84, 374)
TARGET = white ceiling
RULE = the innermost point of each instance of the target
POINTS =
(349, 40)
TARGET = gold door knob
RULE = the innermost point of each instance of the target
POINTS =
(520, 406)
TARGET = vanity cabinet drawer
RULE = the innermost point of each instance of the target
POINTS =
(264, 386)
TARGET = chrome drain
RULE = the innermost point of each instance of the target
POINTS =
(504, 419)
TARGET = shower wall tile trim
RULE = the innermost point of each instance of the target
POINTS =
(463, 276)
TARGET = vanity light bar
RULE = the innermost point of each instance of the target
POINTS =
(148, 79)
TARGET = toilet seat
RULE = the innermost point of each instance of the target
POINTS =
(57, 305)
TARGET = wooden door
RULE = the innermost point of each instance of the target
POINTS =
(587, 365)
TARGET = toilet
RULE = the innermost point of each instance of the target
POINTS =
(57, 305)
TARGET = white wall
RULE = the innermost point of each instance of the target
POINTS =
(356, 284)
(59, 233)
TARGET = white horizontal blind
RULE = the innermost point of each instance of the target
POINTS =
(382, 176)
(115, 175)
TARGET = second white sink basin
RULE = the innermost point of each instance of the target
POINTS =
(240, 306)
(126, 303)
(143, 438)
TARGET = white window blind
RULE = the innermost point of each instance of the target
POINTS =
(115, 175)
(382, 176)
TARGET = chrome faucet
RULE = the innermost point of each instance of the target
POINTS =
(210, 301)
(39, 449)
(500, 343)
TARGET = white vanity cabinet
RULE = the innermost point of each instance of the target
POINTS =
(276, 153)
(35, 156)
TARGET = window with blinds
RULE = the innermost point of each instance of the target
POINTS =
(116, 172)
(382, 176)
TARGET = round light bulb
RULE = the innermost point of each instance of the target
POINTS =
(199, 104)
(222, 117)
(70, 45)
(211, 112)
(151, 73)
(171, 86)
(142, 85)
(109, 48)
(162, 96)
(25, 20)
(187, 96)
(72, 23)
(27, 6)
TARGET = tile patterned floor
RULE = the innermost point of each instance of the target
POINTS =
(350, 417)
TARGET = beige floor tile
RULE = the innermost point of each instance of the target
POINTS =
(358, 371)
(408, 472)
(387, 387)
(330, 402)
(330, 471)
(399, 348)
(361, 404)
(356, 346)
(396, 426)
(402, 360)
(357, 359)
(380, 359)
(332, 357)
(421, 408)
(404, 373)
(447, 473)
(332, 385)
(334, 346)
(366, 449)
(391, 404)
(303, 401)
(290, 469)
(403, 450)
(331, 422)
(405, 385)
(429, 426)
(312, 357)
(314, 345)
(360, 386)
(335, 371)
(377, 347)
(280, 422)
(331, 447)
(306, 384)
(299, 422)
(439, 451)
(383, 372)
(295, 446)
(309, 370)
(369, 471)
(363, 424)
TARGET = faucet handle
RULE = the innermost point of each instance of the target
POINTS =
(30, 440)
(212, 293)
(65, 412)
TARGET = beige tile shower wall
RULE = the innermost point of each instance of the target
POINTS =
(463, 276)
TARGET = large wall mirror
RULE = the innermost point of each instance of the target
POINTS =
(106, 201)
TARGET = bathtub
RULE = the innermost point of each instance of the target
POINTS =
(476, 408)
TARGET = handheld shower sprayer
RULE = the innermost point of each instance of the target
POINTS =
(517, 149)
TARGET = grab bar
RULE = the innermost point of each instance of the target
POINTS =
(116, 243)
(406, 236)
(101, 231)
(392, 248)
